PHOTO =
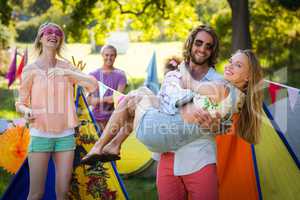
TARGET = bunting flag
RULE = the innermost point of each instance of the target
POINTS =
(117, 97)
(11, 74)
(102, 89)
(293, 96)
(152, 81)
(22, 64)
(273, 89)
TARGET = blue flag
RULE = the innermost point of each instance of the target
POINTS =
(152, 80)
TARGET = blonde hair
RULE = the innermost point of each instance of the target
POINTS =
(37, 44)
(250, 119)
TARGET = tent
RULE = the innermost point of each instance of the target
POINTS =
(269, 170)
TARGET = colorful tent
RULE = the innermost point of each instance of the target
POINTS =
(101, 181)
(269, 170)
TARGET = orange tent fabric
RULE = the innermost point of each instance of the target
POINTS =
(235, 168)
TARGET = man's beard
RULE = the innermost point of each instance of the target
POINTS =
(198, 62)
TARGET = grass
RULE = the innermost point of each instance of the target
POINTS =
(5, 179)
(141, 188)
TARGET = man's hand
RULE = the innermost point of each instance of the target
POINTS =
(195, 115)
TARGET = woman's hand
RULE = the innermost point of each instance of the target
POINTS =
(57, 71)
(28, 114)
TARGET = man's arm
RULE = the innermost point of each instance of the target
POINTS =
(192, 114)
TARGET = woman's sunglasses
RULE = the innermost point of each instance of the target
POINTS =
(50, 31)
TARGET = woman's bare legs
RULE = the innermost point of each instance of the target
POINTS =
(149, 100)
(63, 172)
(38, 167)
(121, 122)
(114, 146)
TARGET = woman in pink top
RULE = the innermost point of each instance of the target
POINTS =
(47, 102)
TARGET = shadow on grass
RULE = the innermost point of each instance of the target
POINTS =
(141, 188)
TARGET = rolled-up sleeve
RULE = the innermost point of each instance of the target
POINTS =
(171, 92)
(25, 88)
(90, 85)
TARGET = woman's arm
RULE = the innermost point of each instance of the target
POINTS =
(86, 81)
(216, 91)
(23, 102)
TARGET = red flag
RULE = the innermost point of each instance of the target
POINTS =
(20, 68)
(22, 64)
(273, 89)
(11, 74)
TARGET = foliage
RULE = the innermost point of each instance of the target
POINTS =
(276, 36)
(290, 4)
(218, 15)
(27, 29)
(180, 19)
(5, 36)
(5, 12)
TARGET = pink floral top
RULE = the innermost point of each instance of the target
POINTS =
(51, 99)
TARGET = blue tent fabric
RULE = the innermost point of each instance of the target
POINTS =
(19, 187)
(152, 79)
(3, 125)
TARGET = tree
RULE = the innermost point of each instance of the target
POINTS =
(149, 19)
(240, 24)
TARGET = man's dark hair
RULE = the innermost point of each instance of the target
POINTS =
(187, 48)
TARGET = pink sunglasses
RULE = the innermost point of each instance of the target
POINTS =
(49, 31)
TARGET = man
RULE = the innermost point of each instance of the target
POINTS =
(191, 170)
(111, 77)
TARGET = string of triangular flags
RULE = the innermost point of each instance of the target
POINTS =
(293, 93)
(117, 96)
(15, 72)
